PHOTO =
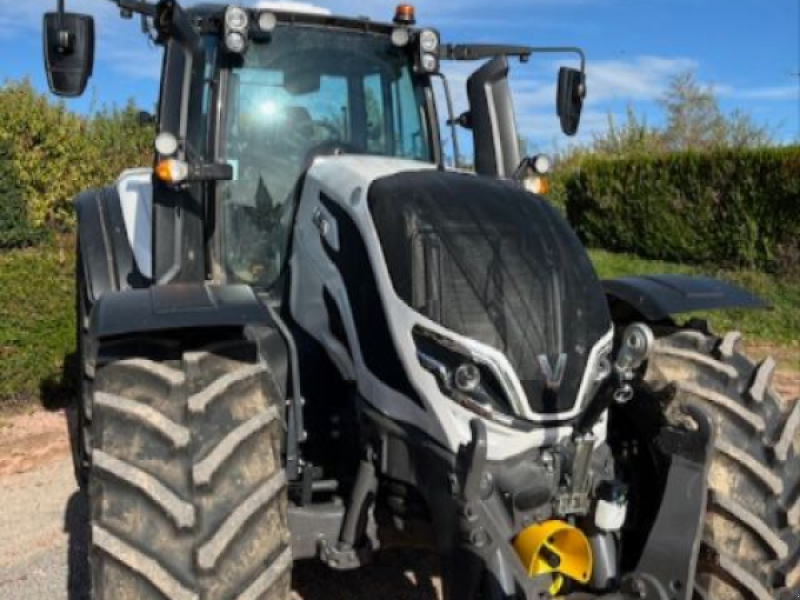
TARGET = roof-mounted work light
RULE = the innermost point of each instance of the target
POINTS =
(427, 48)
(236, 26)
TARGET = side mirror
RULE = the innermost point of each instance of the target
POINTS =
(569, 100)
(68, 52)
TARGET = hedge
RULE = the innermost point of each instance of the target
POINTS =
(49, 155)
(16, 229)
(730, 208)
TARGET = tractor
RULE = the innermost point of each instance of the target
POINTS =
(304, 335)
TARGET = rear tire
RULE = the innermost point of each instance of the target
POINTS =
(188, 494)
(752, 530)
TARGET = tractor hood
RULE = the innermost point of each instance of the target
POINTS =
(493, 263)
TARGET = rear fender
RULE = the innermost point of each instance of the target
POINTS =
(658, 297)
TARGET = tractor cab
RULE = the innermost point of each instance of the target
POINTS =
(298, 92)
(251, 96)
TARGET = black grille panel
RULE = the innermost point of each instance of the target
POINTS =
(496, 264)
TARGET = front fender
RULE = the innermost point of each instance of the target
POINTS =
(657, 297)
(176, 306)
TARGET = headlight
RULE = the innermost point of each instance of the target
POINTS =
(430, 63)
(429, 40)
(236, 29)
(465, 381)
(426, 46)
(235, 42)
(467, 377)
(236, 18)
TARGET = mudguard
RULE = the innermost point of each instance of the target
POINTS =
(109, 239)
(176, 306)
(198, 306)
(657, 297)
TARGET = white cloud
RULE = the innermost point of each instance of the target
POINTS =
(642, 78)
(769, 93)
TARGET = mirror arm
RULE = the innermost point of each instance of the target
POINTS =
(562, 50)
(141, 7)
(483, 51)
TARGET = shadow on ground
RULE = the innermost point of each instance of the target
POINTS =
(76, 524)
(393, 575)
(59, 392)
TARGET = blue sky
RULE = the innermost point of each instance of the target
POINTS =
(748, 49)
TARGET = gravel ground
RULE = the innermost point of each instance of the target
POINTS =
(43, 537)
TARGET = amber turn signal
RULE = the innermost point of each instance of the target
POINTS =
(171, 170)
(537, 185)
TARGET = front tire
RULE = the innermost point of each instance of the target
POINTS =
(752, 530)
(80, 420)
(187, 491)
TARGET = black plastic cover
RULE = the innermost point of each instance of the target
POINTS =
(105, 251)
(656, 297)
(176, 306)
(488, 260)
(494, 129)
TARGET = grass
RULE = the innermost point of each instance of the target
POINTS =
(36, 324)
(37, 334)
(779, 325)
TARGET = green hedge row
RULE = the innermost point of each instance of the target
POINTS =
(48, 155)
(730, 208)
(16, 229)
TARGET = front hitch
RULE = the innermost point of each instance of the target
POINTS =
(666, 568)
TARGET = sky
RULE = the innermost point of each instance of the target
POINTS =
(749, 50)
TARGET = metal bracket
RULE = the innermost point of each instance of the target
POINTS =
(667, 566)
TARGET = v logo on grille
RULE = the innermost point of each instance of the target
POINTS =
(553, 375)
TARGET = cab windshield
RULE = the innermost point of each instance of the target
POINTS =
(302, 93)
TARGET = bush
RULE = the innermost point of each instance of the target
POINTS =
(51, 159)
(37, 323)
(730, 208)
(16, 230)
(55, 154)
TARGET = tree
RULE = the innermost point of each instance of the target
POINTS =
(633, 136)
(694, 120)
